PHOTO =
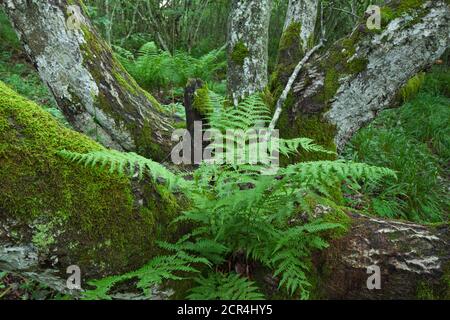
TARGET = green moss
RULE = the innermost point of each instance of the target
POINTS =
(310, 126)
(341, 62)
(202, 101)
(145, 144)
(89, 214)
(446, 282)
(397, 8)
(43, 237)
(290, 52)
(425, 291)
(291, 37)
(331, 84)
(239, 53)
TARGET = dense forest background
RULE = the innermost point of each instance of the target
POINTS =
(164, 44)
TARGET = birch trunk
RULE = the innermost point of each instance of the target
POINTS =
(248, 47)
(96, 94)
(345, 88)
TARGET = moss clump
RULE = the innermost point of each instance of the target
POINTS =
(341, 62)
(239, 53)
(312, 126)
(202, 101)
(289, 54)
(89, 215)
(291, 37)
(439, 291)
(397, 8)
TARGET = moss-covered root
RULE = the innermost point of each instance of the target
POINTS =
(65, 214)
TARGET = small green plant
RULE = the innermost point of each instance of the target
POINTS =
(413, 140)
(157, 70)
(237, 211)
(219, 286)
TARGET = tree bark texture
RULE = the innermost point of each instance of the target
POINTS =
(248, 47)
(414, 261)
(96, 94)
(346, 87)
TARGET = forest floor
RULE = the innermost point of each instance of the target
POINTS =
(413, 139)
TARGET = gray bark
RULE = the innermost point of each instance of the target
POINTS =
(382, 63)
(414, 261)
(248, 47)
(303, 12)
(95, 93)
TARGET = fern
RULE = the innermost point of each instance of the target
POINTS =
(154, 273)
(251, 113)
(130, 164)
(155, 69)
(236, 209)
(219, 286)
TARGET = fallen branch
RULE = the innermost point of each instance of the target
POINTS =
(288, 87)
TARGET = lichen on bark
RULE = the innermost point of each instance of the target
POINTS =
(54, 213)
(98, 96)
(247, 48)
(361, 74)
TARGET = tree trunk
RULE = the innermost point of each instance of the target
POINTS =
(301, 17)
(342, 90)
(296, 39)
(414, 261)
(248, 47)
(96, 94)
(55, 213)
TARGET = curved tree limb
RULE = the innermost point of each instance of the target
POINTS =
(96, 94)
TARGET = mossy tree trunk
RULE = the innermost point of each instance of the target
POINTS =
(296, 39)
(248, 37)
(343, 89)
(55, 213)
(94, 91)
(298, 32)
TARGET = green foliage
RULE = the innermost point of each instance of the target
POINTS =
(413, 86)
(8, 37)
(153, 273)
(239, 53)
(155, 70)
(22, 78)
(414, 141)
(237, 209)
(218, 286)
(135, 164)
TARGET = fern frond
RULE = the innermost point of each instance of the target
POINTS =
(219, 286)
(130, 164)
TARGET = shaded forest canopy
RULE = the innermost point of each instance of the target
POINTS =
(86, 176)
